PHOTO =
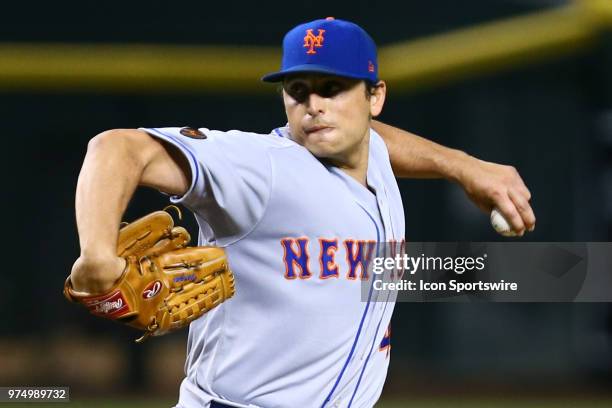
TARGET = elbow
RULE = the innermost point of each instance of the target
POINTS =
(109, 139)
(125, 145)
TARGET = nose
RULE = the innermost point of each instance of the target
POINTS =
(315, 105)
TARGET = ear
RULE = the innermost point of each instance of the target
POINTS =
(377, 100)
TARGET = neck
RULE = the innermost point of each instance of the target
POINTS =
(355, 162)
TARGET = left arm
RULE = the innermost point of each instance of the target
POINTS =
(487, 184)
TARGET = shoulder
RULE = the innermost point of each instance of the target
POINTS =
(230, 137)
(378, 147)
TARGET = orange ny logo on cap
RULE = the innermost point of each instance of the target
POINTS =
(311, 40)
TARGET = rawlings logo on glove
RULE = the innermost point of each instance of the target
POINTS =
(166, 284)
(151, 290)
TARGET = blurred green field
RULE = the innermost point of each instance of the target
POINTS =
(415, 403)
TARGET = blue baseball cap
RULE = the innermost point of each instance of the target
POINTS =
(328, 46)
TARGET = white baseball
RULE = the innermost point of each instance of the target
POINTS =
(500, 224)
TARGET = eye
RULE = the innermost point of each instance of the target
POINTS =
(329, 89)
(298, 91)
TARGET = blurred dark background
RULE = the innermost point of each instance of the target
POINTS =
(550, 117)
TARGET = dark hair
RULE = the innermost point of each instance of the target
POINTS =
(370, 89)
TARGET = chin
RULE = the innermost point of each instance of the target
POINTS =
(319, 150)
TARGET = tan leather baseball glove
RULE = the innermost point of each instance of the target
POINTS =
(165, 284)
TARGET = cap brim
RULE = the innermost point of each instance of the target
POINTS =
(309, 68)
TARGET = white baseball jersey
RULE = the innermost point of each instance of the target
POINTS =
(298, 234)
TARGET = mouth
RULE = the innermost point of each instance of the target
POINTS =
(316, 129)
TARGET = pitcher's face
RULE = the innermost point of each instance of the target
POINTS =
(330, 115)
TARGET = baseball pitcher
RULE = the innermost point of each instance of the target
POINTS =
(287, 224)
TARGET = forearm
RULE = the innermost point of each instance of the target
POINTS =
(106, 183)
(117, 161)
(416, 157)
(487, 184)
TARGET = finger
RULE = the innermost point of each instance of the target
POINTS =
(524, 209)
(516, 181)
(510, 213)
(523, 190)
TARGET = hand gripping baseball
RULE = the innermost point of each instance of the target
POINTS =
(165, 284)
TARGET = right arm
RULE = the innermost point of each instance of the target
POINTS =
(487, 184)
(117, 161)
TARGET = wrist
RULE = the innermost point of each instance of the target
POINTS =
(96, 255)
(96, 275)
